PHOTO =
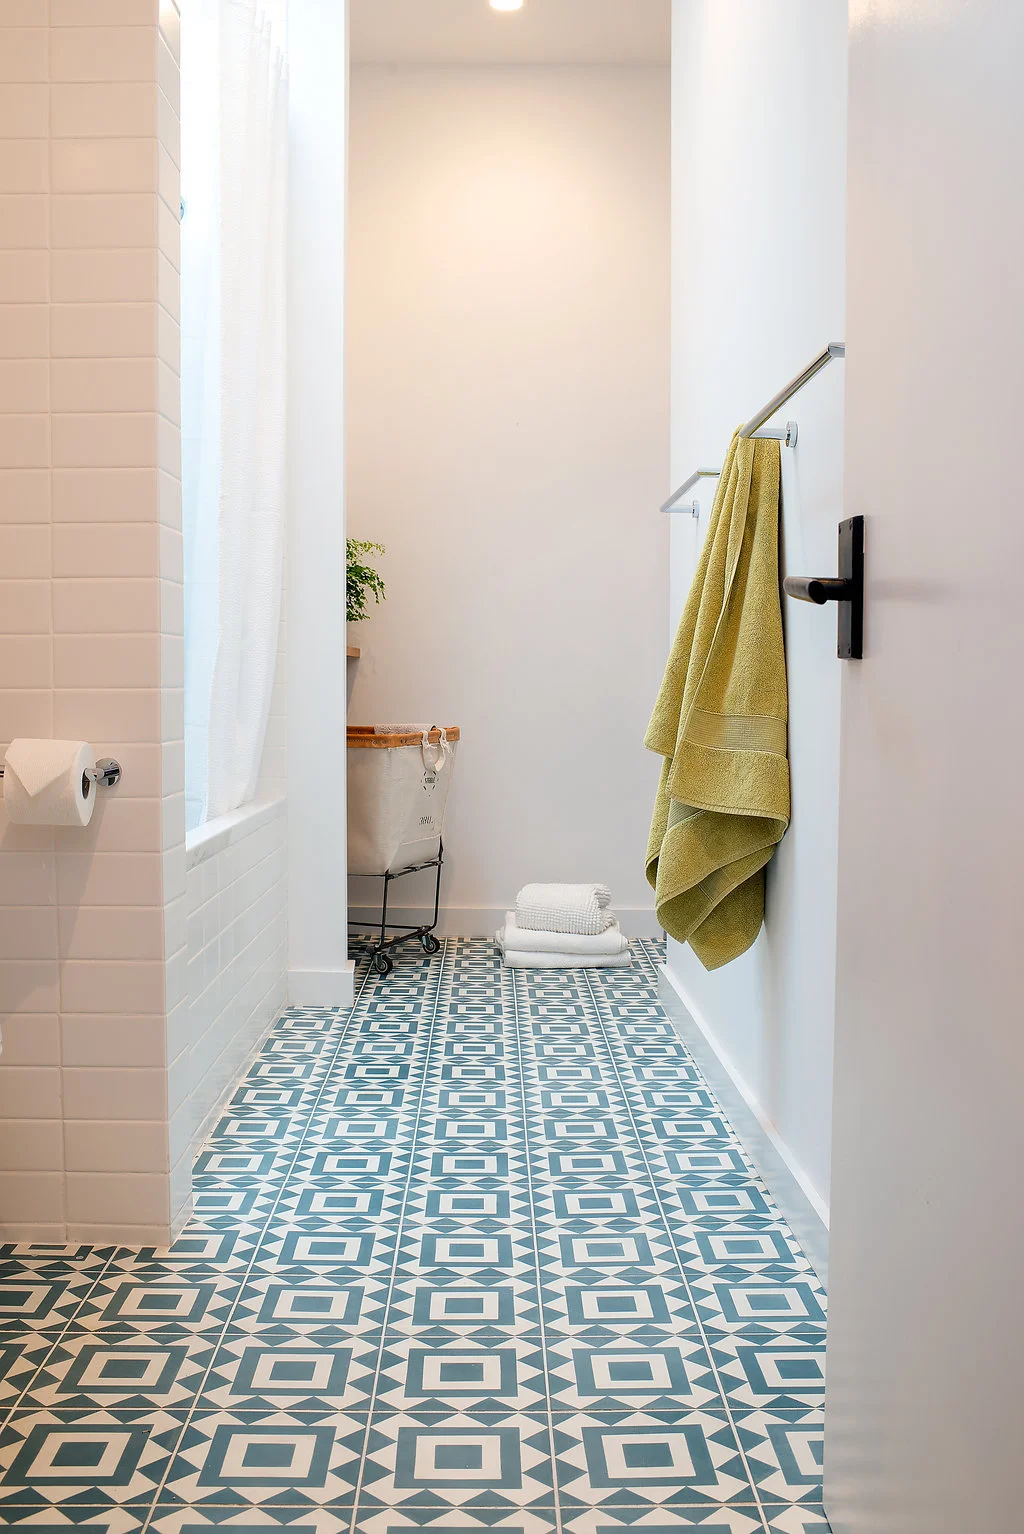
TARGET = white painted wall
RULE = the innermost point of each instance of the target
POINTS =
(319, 972)
(926, 1349)
(508, 428)
(759, 103)
(468, 32)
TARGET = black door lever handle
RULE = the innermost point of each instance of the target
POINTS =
(817, 588)
(847, 589)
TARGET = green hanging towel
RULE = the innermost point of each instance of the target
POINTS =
(720, 723)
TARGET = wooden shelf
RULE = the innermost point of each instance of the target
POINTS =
(353, 652)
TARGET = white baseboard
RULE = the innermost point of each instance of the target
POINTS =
(483, 921)
(322, 987)
(788, 1183)
(837, 1525)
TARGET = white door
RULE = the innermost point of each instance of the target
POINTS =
(925, 1411)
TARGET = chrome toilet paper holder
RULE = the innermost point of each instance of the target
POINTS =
(106, 774)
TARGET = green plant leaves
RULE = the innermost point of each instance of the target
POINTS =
(362, 581)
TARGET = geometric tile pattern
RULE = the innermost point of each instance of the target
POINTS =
(481, 1254)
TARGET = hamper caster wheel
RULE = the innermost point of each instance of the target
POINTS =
(430, 943)
(383, 964)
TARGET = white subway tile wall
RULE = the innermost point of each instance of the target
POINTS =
(95, 1071)
(237, 942)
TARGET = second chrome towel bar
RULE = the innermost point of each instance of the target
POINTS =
(755, 427)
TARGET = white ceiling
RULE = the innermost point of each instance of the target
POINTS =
(543, 32)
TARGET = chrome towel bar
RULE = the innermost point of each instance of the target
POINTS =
(693, 507)
(833, 350)
(755, 427)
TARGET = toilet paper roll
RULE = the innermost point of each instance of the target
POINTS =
(44, 783)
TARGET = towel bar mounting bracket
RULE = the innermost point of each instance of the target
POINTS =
(107, 772)
(846, 590)
(787, 435)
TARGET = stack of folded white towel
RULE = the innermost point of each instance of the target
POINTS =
(563, 926)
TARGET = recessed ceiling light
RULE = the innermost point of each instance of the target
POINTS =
(506, 5)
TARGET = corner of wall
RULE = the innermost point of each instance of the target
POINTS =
(332, 988)
(316, 643)
(788, 1183)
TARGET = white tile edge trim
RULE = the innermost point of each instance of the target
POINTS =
(322, 987)
(213, 836)
(790, 1186)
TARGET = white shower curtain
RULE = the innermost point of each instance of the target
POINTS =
(234, 233)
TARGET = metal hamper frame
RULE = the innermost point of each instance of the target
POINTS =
(380, 956)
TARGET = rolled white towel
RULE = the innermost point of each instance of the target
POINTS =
(527, 940)
(518, 958)
(578, 908)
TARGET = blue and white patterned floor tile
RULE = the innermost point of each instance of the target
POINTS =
(481, 1256)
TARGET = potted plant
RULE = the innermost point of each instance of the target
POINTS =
(362, 581)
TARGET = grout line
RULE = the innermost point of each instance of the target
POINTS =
(413, 1142)
(60, 921)
(217, 1338)
(538, 1285)
(430, 1014)
(59, 1338)
(652, 966)
(656, 1190)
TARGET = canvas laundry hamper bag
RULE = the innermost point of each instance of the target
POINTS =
(398, 781)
